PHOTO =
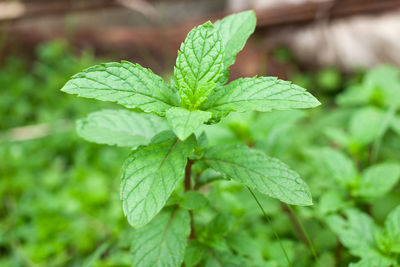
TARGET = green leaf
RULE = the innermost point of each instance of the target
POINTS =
(248, 246)
(366, 125)
(185, 122)
(357, 233)
(373, 261)
(235, 29)
(193, 200)
(384, 83)
(395, 123)
(125, 83)
(222, 258)
(199, 65)
(335, 164)
(392, 229)
(220, 225)
(162, 242)
(379, 179)
(259, 93)
(150, 175)
(120, 127)
(194, 252)
(331, 202)
(338, 136)
(258, 171)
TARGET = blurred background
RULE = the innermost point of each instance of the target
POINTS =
(59, 195)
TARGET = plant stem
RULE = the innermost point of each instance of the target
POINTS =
(188, 174)
(188, 177)
(303, 232)
(295, 224)
(338, 253)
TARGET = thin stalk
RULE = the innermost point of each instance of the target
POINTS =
(305, 234)
(270, 223)
(338, 253)
(188, 177)
(295, 223)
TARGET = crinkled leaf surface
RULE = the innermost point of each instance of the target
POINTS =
(185, 122)
(199, 64)
(162, 242)
(125, 83)
(258, 171)
(379, 179)
(235, 29)
(120, 127)
(150, 175)
(261, 94)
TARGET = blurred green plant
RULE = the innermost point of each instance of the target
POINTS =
(59, 197)
(56, 207)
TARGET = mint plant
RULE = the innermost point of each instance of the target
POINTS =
(171, 159)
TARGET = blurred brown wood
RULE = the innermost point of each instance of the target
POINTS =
(273, 16)
(39, 8)
(291, 14)
(156, 46)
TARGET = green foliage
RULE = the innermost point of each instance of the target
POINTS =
(379, 179)
(153, 172)
(150, 175)
(189, 172)
(185, 122)
(124, 83)
(162, 242)
(193, 200)
(235, 30)
(120, 127)
(258, 171)
(356, 233)
(59, 205)
(199, 65)
(261, 94)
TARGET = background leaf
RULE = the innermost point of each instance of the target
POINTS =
(366, 125)
(392, 229)
(193, 200)
(335, 164)
(357, 233)
(120, 127)
(379, 179)
(372, 261)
